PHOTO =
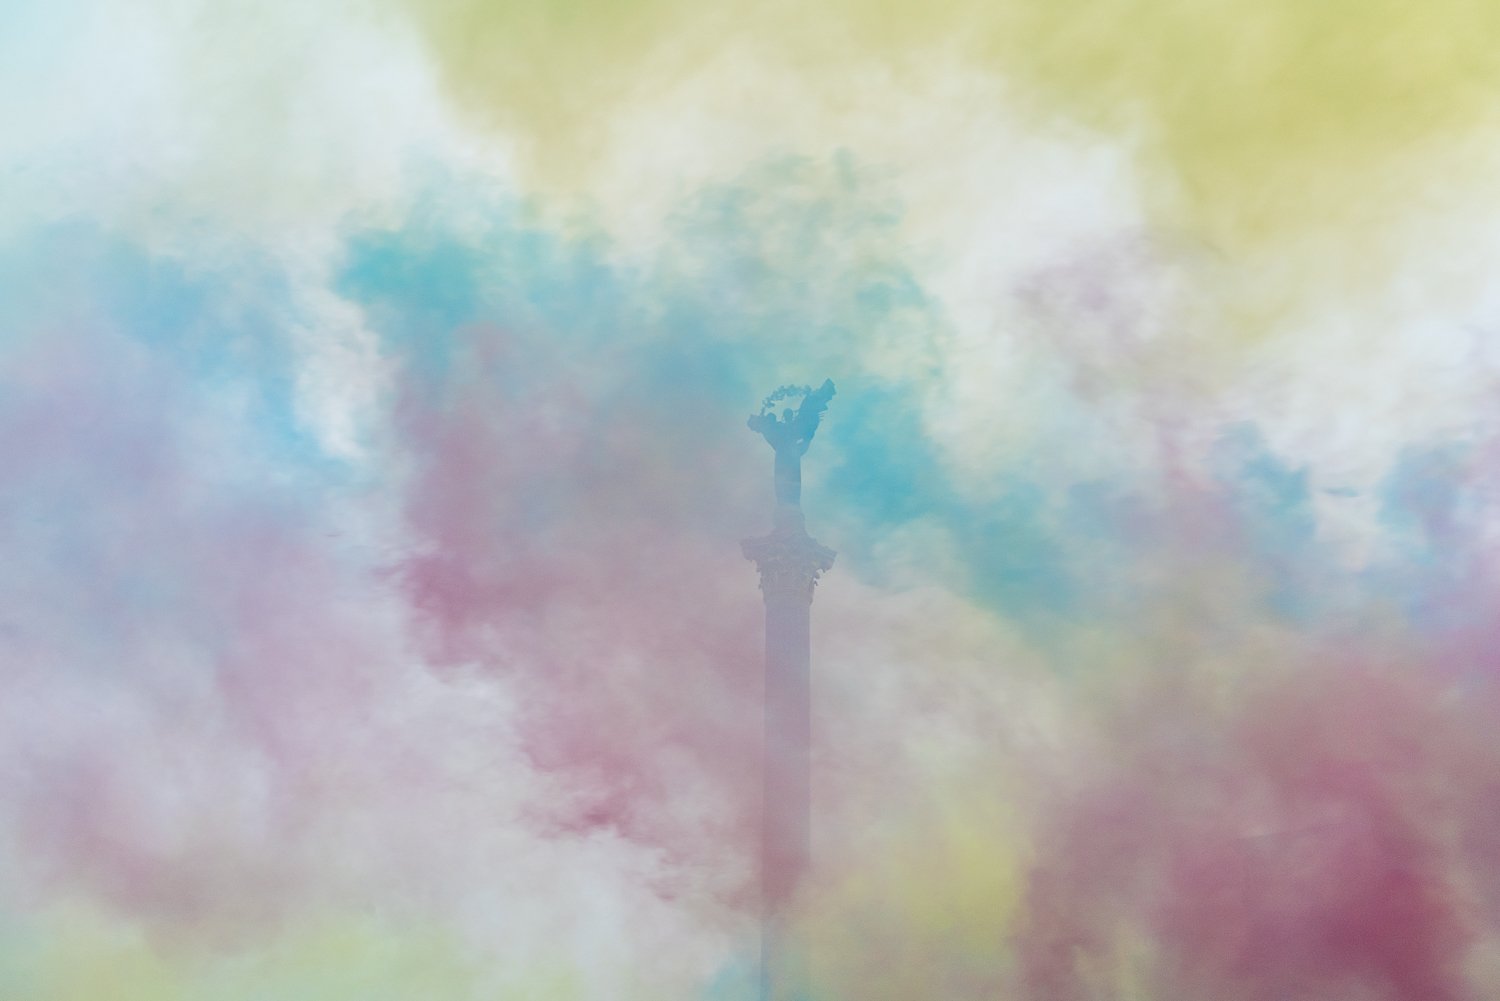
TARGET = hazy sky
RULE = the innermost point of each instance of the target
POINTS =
(373, 379)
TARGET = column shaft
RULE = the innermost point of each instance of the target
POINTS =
(786, 842)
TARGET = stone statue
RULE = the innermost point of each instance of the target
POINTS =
(791, 434)
(790, 563)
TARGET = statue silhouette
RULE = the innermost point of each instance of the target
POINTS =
(790, 563)
(789, 437)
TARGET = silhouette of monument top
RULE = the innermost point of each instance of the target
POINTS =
(790, 435)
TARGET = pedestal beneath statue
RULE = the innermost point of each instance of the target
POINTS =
(790, 563)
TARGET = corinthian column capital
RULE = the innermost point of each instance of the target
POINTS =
(790, 561)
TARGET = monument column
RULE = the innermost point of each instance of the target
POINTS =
(790, 563)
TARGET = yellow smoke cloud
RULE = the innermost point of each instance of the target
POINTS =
(927, 913)
(1256, 119)
(87, 955)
